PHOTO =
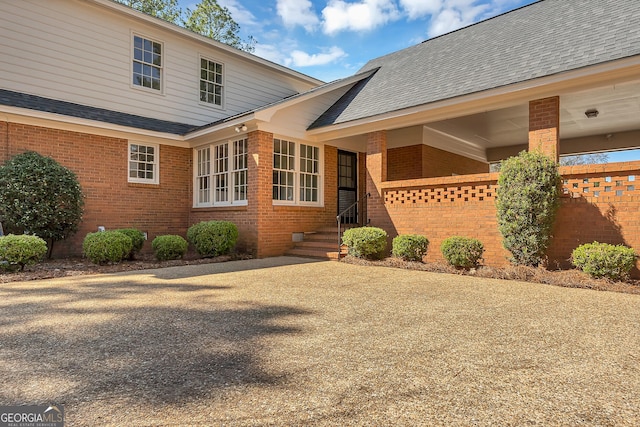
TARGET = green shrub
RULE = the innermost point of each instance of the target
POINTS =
(527, 201)
(410, 247)
(213, 238)
(462, 252)
(39, 196)
(604, 260)
(137, 239)
(106, 246)
(169, 247)
(16, 251)
(365, 242)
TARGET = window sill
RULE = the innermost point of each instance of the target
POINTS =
(236, 208)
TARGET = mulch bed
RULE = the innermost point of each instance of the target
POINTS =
(52, 268)
(564, 278)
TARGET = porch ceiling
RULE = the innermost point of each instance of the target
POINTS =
(618, 106)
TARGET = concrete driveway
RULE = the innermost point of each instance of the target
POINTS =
(287, 341)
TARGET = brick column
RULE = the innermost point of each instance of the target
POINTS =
(4, 142)
(260, 169)
(376, 163)
(544, 126)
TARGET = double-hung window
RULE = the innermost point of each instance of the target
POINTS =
(296, 173)
(147, 63)
(221, 174)
(143, 163)
(211, 82)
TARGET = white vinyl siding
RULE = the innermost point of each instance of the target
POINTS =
(297, 176)
(84, 55)
(221, 174)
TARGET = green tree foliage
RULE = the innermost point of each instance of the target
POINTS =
(584, 159)
(215, 21)
(39, 196)
(527, 202)
(208, 18)
(169, 247)
(163, 9)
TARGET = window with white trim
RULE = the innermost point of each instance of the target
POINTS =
(147, 63)
(296, 173)
(211, 82)
(221, 174)
(143, 163)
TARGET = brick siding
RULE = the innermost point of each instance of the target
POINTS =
(101, 166)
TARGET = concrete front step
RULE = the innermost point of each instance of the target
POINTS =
(314, 253)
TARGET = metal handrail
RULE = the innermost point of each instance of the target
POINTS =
(339, 218)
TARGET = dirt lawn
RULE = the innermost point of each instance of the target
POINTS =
(288, 341)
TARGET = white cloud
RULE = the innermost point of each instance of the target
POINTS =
(299, 58)
(298, 12)
(364, 15)
(270, 53)
(419, 8)
(239, 13)
(445, 22)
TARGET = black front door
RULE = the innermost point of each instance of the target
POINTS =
(347, 187)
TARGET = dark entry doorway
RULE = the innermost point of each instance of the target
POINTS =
(347, 187)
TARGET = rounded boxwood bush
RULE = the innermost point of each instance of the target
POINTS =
(169, 246)
(365, 242)
(106, 246)
(410, 247)
(16, 251)
(213, 238)
(604, 260)
(137, 239)
(462, 252)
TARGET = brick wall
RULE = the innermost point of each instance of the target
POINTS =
(101, 166)
(598, 203)
(266, 229)
(423, 161)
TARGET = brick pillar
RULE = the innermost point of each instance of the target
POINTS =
(260, 170)
(544, 126)
(376, 163)
(4, 142)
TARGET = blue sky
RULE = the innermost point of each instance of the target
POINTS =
(331, 39)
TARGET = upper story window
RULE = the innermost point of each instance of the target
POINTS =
(211, 82)
(143, 163)
(297, 175)
(147, 63)
(221, 174)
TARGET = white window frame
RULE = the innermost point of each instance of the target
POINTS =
(222, 84)
(155, 163)
(297, 174)
(233, 170)
(133, 60)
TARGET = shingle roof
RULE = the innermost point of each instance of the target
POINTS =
(38, 103)
(542, 39)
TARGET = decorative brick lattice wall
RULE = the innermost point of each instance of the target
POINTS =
(601, 188)
(450, 194)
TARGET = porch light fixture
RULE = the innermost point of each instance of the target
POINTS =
(241, 128)
(592, 113)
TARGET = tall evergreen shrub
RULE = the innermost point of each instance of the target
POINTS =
(527, 202)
